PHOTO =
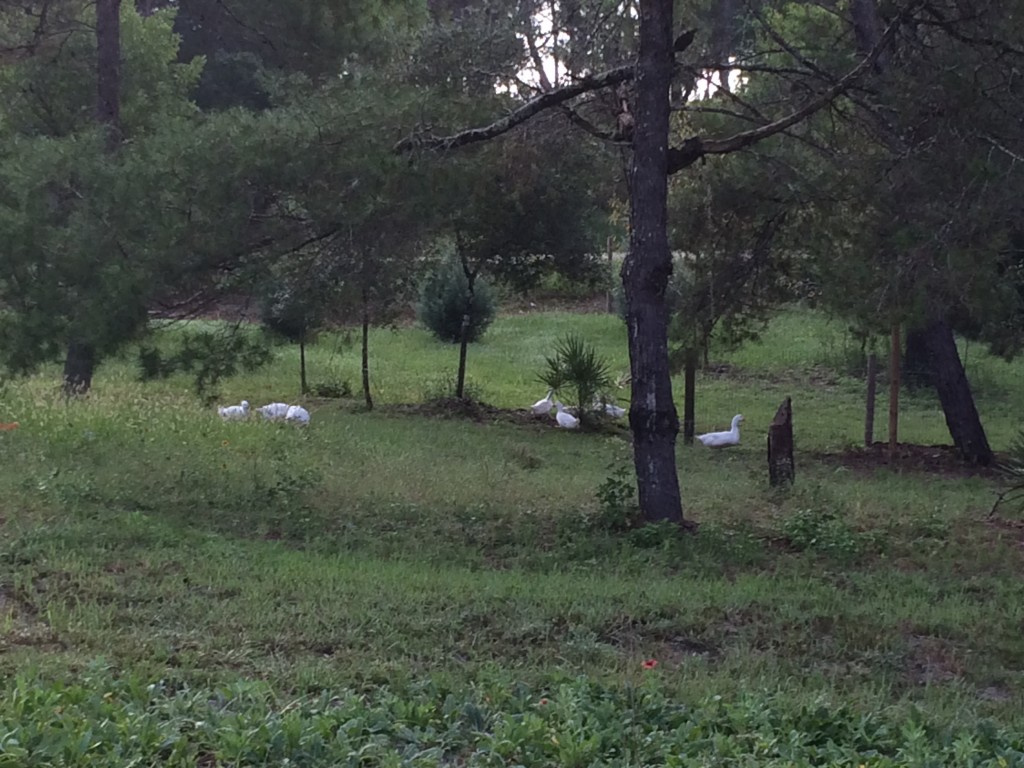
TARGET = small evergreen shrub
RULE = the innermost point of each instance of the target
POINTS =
(444, 299)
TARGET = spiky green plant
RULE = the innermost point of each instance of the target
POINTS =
(1013, 476)
(579, 371)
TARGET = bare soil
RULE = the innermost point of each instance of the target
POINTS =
(929, 459)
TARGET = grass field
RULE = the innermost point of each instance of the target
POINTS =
(396, 589)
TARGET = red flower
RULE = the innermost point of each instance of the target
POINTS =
(650, 663)
(542, 702)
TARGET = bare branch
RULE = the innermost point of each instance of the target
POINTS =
(1003, 149)
(696, 147)
(516, 117)
(581, 122)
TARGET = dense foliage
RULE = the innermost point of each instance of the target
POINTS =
(103, 721)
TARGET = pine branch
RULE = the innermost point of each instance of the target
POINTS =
(693, 149)
(531, 108)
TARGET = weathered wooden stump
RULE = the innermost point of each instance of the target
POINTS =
(781, 468)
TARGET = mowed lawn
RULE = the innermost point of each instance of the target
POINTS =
(141, 536)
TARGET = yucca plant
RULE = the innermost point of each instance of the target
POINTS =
(578, 374)
(1013, 476)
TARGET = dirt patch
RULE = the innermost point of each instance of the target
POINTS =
(933, 660)
(928, 459)
(482, 413)
(23, 625)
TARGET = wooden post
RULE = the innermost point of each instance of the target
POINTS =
(869, 411)
(689, 396)
(781, 467)
(894, 390)
(610, 307)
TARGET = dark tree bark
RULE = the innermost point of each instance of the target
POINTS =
(80, 363)
(867, 29)
(645, 274)
(460, 381)
(781, 467)
(79, 366)
(917, 372)
(366, 351)
(955, 394)
(689, 395)
(108, 70)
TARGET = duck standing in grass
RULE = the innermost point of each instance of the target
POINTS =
(545, 405)
(723, 439)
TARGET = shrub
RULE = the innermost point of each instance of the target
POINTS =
(1012, 470)
(618, 509)
(578, 369)
(444, 301)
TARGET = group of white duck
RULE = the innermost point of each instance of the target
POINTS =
(293, 414)
(565, 417)
(568, 420)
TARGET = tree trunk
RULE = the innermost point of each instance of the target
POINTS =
(645, 274)
(894, 390)
(610, 298)
(781, 467)
(689, 395)
(869, 408)
(917, 368)
(460, 382)
(79, 366)
(366, 351)
(108, 70)
(80, 363)
(955, 394)
(303, 384)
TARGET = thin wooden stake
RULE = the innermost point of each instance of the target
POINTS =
(869, 410)
(894, 390)
(611, 272)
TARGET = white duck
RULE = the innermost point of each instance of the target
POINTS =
(544, 406)
(723, 439)
(297, 415)
(274, 411)
(615, 411)
(565, 419)
(234, 412)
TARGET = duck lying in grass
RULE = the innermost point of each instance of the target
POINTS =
(234, 412)
(297, 415)
(723, 439)
(565, 419)
(274, 411)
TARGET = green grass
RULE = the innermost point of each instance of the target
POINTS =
(141, 540)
